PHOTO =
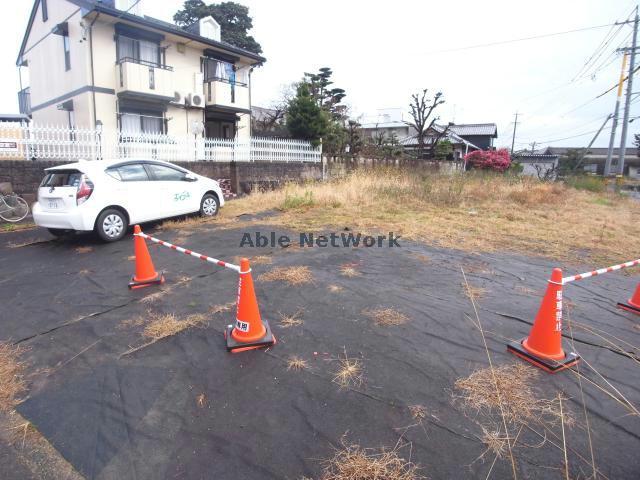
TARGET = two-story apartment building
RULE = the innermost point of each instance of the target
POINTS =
(104, 64)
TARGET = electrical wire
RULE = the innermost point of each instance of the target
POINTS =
(523, 39)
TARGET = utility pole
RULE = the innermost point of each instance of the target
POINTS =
(612, 138)
(627, 101)
(586, 150)
(513, 139)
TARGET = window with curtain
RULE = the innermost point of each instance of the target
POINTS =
(140, 50)
(137, 123)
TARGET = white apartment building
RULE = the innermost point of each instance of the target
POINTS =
(105, 64)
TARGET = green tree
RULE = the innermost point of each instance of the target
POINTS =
(569, 163)
(327, 98)
(305, 119)
(233, 18)
(443, 150)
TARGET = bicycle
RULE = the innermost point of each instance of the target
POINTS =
(13, 208)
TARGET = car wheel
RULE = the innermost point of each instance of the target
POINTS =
(209, 205)
(111, 225)
(59, 232)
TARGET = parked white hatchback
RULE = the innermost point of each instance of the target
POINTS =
(108, 196)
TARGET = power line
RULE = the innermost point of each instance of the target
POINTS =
(597, 53)
(523, 39)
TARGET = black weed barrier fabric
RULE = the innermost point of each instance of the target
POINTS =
(184, 408)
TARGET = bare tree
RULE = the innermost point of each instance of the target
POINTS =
(421, 109)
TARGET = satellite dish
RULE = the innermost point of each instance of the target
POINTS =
(197, 127)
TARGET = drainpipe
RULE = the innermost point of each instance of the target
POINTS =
(93, 83)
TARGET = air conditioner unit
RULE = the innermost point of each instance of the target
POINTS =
(178, 98)
(195, 100)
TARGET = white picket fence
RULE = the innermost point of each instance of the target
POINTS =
(60, 143)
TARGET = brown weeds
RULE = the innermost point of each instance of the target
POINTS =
(165, 325)
(81, 250)
(12, 371)
(349, 270)
(335, 288)
(214, 309)
(520, 403)
(296, 363)
(297, 275)
(294, 320)
(513, 214)
(386, 317)
(349, 373)
(352, 462)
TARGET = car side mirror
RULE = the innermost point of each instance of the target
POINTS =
(190, 177)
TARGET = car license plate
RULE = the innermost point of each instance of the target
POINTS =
(53, 204)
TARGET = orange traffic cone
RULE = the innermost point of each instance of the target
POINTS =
(145, 272)
(543, 346)
(250, 331)
(633, 304)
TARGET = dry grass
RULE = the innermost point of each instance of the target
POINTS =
(81, 250)
(352, 462)
(520, 403)
(296, 363)
(349, 270)
(421, 257)
(12, 371)
(335, 288)
(215, 309)
(256, 260)
(418, 412)
(472, 292)
(515, 214)
(294, 320)
(165, 325)
(201, 400)
(386, 316)
(349, 373)
(297, 275)
(155, 296)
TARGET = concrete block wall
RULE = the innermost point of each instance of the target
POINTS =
(25, 176)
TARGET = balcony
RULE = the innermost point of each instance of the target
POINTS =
(24, 101)
(223, 93)
(138, 78)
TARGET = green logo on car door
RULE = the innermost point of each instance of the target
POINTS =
(178, 197)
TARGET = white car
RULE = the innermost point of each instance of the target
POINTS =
(108, 196)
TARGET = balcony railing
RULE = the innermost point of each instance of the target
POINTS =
(137, 77)
(24, 101)
(224, 93)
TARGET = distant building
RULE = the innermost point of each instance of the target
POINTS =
(386, 123)
(595, 158)
(460, 146)
(538, 164)
(479, 134)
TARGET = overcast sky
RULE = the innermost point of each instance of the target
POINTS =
(381, 52)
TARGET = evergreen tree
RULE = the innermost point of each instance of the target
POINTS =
(233, 18)
(305, 119)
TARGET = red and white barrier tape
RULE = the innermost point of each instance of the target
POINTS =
(204, 258)
(573, 278)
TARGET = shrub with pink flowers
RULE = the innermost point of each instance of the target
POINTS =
(498, 160)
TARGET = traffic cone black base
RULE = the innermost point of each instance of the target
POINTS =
(234, 346)
(158, 280)
(629, 308)
(549, 365)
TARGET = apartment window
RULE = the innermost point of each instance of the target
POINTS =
(67, 51)
(45, 10)
(139, 51)
(218, 70)
(138, 123)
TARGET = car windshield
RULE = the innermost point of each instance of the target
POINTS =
(62, 178)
